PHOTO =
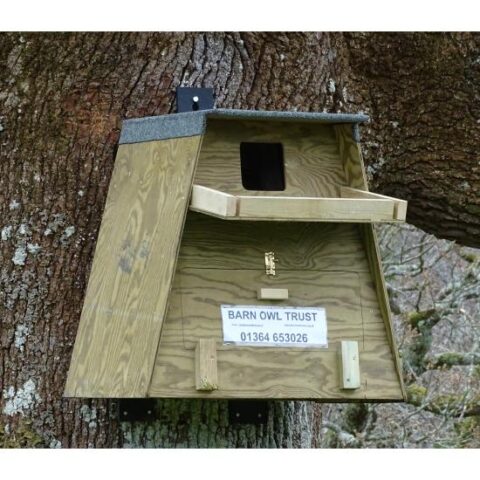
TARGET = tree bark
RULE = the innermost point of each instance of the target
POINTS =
(62, 100)
(423, 94)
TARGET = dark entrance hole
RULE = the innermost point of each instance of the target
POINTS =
(262, 166)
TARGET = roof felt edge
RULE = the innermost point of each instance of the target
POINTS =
(316, 117)
(162, 127)
(188, 124)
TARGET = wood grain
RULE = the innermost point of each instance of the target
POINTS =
(311, 157)
(400, 206)
(253, 372)
(206, 377)
(354, 169)
(204, 291)
(214, 202)
(314, 209)
(349, 365)
(353, 206)
(236, 251)
(330, 265)
(351, 158)
(272, 293)
(373, 256)
(212, 243)
(245, 372)
(133, 267)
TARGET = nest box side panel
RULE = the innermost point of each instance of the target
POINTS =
(373, 257)
(351, 156)
(133, 268)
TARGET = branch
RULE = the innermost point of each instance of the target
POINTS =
(451, 405)
(451, 359)
(345, 438)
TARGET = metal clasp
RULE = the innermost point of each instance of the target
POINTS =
(270, 263)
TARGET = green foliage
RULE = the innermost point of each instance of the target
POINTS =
(22, 436)
(469, 256)
(414, 353)
(451, 405)
(450, 359)
(419, 320)
(467, 430)
(355, 415)
(416, 394)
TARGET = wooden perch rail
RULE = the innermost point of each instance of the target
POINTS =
(400, 206)
(353, 206)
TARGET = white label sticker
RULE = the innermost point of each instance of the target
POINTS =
(270, 326)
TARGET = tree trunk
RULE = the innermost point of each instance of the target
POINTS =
(62, 100)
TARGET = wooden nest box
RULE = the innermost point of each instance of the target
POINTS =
(237, 259)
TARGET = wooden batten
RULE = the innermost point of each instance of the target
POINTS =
(217, 204)
(206, 377)
(314, 209)
(355, 206)
(349, 365)
(400, 206)
(272, 294)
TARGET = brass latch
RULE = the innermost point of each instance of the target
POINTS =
(270, 263)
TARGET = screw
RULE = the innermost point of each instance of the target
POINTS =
(196, 103)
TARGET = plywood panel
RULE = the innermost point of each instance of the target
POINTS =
(249, 372)
(351, 157)
(245, 372)
(313, 166)
(373, 257)
(132, 271)
(203, 291)
(211, 243)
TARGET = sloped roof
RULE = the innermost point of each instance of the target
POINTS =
(194, 123)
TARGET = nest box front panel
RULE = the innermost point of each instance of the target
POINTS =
(310, 156)
(319, 265)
